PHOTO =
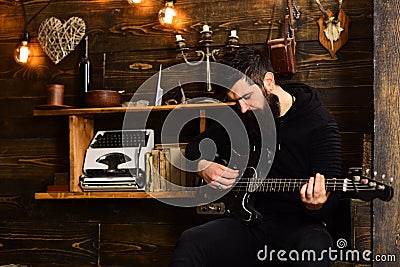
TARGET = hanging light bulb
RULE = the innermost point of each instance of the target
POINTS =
(22, 54)
(135, 2)
(167, 15)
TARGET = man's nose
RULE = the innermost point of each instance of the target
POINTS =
(244, 107)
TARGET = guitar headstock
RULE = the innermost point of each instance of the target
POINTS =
(367, 189)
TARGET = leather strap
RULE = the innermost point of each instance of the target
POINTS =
(272, 20)
(290, 22)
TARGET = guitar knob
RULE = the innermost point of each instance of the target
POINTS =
(356, 178)
(204, 208)
(372, 184)
(216, 207)
(364, 181)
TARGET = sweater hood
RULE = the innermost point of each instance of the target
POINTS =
(307, 100)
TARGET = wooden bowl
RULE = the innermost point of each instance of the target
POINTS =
(102, 98)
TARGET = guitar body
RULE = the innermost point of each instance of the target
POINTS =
(240, 204)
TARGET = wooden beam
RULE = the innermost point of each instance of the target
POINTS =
(81, 131)
(386, 220)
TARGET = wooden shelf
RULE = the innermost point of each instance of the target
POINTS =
(114, 195)
(90, 111)
(81, 132)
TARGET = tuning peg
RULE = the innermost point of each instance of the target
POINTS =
(380, 187)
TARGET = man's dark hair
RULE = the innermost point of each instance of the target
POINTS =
(251, 61)
(251, 64)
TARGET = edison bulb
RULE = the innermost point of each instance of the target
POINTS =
(22, 53)
(135, 2)
(167, 15)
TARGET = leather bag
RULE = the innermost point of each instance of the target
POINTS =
(282, 50)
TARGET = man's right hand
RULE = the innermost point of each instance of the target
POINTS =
(216, 175)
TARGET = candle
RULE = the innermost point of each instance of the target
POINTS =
(233, 33)
(206, 28)
(178, 37)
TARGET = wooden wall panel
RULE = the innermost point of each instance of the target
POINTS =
(116, 19)
(13, 206)
(33, 128)
(145, 244)
(49, 244)
(361, 212)
(351, 155)
(21, 158)
(121, 211)
(128, 70)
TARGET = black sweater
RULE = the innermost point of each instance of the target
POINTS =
(307, 142)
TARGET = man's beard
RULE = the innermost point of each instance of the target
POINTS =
(274, 105)
(273, 102)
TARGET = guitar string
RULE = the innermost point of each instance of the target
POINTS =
(274, 185)
(297, 181)
(294, 189)
(292, 183)
(332, 184)
(297, 188)
(301, 182)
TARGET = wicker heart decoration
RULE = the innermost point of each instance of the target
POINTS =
(58, 39)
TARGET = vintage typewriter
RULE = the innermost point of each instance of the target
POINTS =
(115, 160)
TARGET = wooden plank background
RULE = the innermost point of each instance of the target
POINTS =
(33, 149)
(386, 133)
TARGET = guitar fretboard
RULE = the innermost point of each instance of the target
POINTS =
(294, 184)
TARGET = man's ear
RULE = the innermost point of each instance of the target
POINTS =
(269, 81)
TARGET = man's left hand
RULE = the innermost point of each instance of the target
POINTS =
(313, 194)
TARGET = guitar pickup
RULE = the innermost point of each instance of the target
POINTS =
(212, 208)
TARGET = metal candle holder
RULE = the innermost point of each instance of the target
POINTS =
(206, 41)
(233, 41)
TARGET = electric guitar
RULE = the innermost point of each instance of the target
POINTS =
(239, 200)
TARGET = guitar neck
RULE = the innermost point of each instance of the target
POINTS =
(292, 185)
(358, 186)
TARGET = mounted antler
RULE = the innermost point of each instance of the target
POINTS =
(326, 15)
(336, 20)
(332, 27)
